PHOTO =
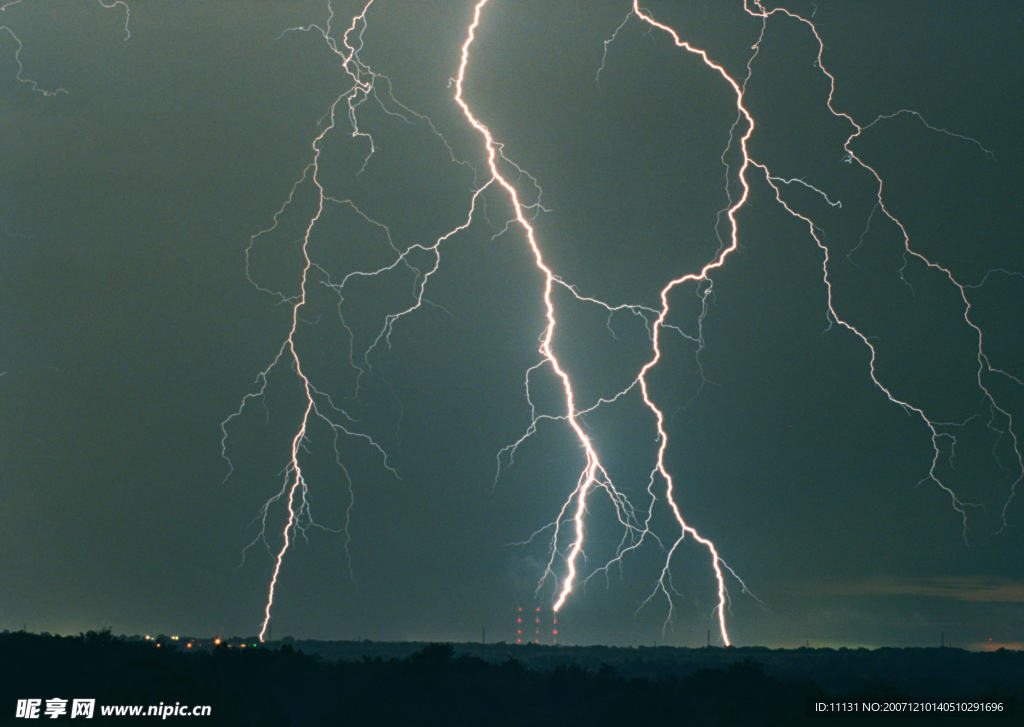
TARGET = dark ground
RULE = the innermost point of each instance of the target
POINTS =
(368, 683)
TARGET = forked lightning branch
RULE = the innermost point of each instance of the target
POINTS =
(500, 178)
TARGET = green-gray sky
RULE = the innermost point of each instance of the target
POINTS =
(129, 331)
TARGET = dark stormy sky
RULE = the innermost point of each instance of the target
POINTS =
(129, 330)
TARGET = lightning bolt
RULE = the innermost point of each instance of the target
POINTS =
(939, 431)
(502, 176)
(594, 475)
(366, 86)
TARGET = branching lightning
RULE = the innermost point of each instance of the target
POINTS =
(322, 413)
(567, 531)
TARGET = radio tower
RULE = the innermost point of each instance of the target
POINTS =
(538, 617)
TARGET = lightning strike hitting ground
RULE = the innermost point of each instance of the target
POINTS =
(568, 529)
(317, 404)
(317, 386)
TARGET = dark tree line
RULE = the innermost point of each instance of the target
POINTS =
(284, 686)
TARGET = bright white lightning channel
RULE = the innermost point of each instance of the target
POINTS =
(568, 529)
